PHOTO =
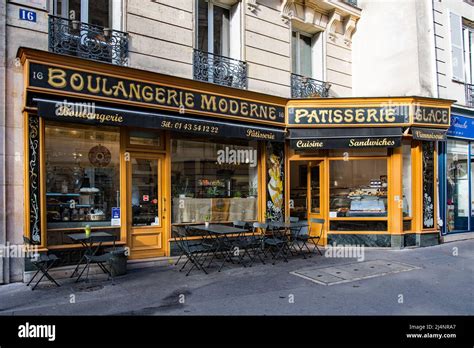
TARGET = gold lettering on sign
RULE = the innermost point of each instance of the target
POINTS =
(208, 103)
(160, 95)
(371, 142)
(120, 87)
(234, 107)
(77, 82)
(147, 93)
(223, 105)
(114, 87)
(343, 115)
(309, 144)
(135, 91)
(251, 133)
(189, 101)
(299, 114)
(244, 108)
(95, 89)
(434, 136)
(272, 113)
(105, 89)
(57, 78)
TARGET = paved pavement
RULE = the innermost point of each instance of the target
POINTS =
(440, 283)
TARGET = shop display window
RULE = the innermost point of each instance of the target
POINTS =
(457, 185)
(213, 181)
(407, 181)
(82, 178)
(358, 188)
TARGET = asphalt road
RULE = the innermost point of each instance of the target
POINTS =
(441, 284)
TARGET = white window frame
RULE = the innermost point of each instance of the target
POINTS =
(298, 51)
(455, 30)
(115, 12)
(468, 53)
(233, 49)
(318, 56)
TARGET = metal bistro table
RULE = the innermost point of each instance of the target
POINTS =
(88, 243)
(220, 234)
(288, 227)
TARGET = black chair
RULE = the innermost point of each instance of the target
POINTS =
(43, 263)
(259, 234)
(245, 243)
(194, 251)
(104, 260)
(189, 243)
(308, 237)
(275, 242)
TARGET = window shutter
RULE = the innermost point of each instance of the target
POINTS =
(456, 46)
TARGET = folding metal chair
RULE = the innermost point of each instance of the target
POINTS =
(102, 260)
(275, 241)
(314, 239)
(259, 231)
(43, 263)
(194, 251)
(189, 243)
(245, 242)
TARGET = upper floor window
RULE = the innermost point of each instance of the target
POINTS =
(307, 78)
(213, 28)
(468, 50)
(307, 54)
(301, 53)
(218, 43)
(462, 49)
(88, 29)
(96, 12)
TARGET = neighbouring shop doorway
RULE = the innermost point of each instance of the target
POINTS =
(146, 200)
(307, 192)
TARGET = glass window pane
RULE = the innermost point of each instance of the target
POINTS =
(294, 55)
(74, 9)
(315, 190)
(457, 186)
(213, 181)
(407, 185)
(298, 189)
(358, 188)
(145, 199)
(99, 13)
(202, 26)
(82, 176)
(305, 56)
(221, 31)
(144, 138)
(472, 186)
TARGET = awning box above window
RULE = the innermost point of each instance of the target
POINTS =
(338, 138)
(89, 113)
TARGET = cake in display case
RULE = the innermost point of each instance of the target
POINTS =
(363, 201)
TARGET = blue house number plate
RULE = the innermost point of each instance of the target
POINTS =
(26, 15)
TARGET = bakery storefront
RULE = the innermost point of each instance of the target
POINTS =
(134, 154)
(367, 166)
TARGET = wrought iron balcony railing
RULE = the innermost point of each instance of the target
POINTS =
(87, 41)
(305, 87)
(220, 70)
(470, 95)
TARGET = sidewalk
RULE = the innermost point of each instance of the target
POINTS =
(441, 282)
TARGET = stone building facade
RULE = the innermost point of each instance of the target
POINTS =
(288, 47)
